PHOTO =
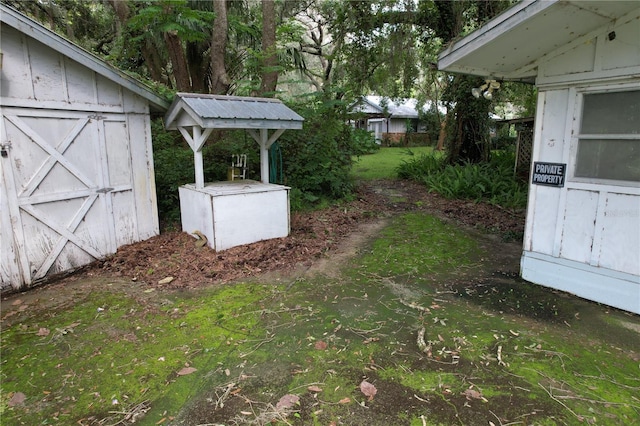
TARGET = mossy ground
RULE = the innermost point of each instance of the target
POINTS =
(496, 350)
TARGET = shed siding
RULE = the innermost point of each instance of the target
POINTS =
(548, 144)
(39, 73)
(78, 179)
(624, 50)
(579, 222)
(144, 186)
(612, 52)
(620, 234)
(584, 237)
(15, 79)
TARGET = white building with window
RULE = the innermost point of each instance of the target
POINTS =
(583, 220)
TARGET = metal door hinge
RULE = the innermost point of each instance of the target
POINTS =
(4, 149)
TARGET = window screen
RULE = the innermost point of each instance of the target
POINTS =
(609, 139)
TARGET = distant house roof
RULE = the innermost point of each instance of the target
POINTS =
(26, 25)
(379, 105)
(230, 112)
(511, 45)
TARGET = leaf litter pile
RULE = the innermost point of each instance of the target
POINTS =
(177, 260)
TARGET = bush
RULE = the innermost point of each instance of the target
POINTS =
(317, 159)
(493, 182)
(364, 142)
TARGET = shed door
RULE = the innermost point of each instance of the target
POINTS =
(63, 173)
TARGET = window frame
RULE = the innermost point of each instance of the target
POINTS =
(576, 136)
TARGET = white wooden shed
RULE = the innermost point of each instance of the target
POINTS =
(77, 164)
(239, 212)
(583, 219)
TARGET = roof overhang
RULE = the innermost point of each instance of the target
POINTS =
(33, 29)
(230, 112)
(510, 46)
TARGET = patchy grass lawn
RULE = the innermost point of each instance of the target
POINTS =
(427, 325)
(383, 163)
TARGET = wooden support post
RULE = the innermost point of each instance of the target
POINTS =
(197, 159)
(196, 140)
(264, 156)
(265, 143)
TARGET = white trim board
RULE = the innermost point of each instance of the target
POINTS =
(601, 285)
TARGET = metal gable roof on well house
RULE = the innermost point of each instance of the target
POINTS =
(33, 29)
(230, 112)
(511, 45)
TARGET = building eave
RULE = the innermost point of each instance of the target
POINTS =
(510, 46)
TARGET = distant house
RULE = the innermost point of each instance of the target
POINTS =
(582, 231)
(389, 119)
(76, 169)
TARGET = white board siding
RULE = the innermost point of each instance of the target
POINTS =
(620, 235)
(9, 268)
(81, 85)
(75, 187)
(583, 238)
(580, 59)
(626, 52)
(234, 213)
(33, 71)
(77, 181)
(578, 225)
(15, 77)
(606, 286)
(544, 202)
(594, 56)
(397, 125)
(143, 179)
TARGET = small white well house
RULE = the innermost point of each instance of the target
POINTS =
(236, 212)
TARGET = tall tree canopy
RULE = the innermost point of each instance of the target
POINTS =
(341, 48)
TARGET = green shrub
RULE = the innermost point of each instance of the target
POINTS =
(493, 182)
(423, 165)
(363, 142)
(317, 159)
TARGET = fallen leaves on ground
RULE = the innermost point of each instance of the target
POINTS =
(17, 398)
(287, 401)
(186, 371)
(313, 234)
(320, 345)
(368, 389)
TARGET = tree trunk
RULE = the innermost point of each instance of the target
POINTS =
(468, 138)
(121, 8)
(154, 64)
(219, 79)
(442, 135)
(178, 61)
(197, 66)
(468, 123)
(270, 60)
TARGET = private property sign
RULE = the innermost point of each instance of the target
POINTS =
(551, 174)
